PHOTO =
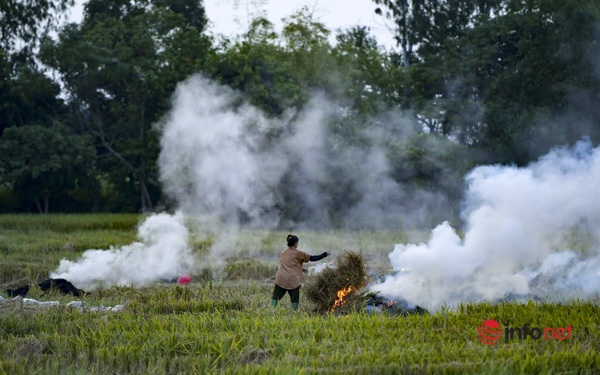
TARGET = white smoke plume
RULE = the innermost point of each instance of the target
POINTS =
(211, 162)
(161, 253)
(230, 166)
(529, 231)
(224, 158)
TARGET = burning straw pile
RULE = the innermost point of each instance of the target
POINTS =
(339, 288)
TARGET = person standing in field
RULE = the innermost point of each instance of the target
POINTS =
(289, 275)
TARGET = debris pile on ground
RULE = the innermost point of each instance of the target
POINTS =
(31, 301)
(340, 287)
(78, 305)
(84, 306)
(376, 304)
(61, 285)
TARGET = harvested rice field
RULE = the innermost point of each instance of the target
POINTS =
(222, 321)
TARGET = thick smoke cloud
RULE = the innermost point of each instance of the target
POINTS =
(529, 231)
(161, 253)
(222, 158)
(211, 163)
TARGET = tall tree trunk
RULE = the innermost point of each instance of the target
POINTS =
(46, 196)
(39, 206)
(406, 52)
(145, 200)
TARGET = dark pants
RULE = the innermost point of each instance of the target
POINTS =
(279, 292)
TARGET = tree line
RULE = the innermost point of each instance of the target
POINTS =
(495, 81)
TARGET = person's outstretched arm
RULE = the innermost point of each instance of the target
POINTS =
(314, 258)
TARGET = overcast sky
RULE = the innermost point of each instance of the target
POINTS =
(230, 17)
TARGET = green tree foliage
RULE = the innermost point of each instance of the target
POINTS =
(542, 69)
(371, 78)
(498, 75)
(23, 21)
(27, 95)
(305, 40)
(40, 162)
(120, 66)
(257, 65)
(281, 72)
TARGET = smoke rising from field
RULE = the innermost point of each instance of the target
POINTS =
(227, 165)
(210, 161)
(528, 231)
(161, 253)
(224, 158)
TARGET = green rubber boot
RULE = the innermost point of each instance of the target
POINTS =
(295, 306)
(273, 302)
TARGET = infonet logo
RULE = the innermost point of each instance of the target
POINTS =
(490, 332)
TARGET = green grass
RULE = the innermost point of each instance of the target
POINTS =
(229, 328)
(69, 222)
(226, 326)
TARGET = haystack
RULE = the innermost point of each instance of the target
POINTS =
(348, 274)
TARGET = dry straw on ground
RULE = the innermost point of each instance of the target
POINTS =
(348, 271)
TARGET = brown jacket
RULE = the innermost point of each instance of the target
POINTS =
(289, 275)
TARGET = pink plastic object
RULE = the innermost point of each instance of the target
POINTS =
(184, 279)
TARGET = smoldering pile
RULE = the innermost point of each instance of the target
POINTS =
(60, 285)
(376, 304)
(340, 288)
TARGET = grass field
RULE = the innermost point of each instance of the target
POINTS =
(224, 325)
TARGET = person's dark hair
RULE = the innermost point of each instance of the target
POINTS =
(291, 240)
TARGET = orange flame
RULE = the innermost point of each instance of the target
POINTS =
(340, 297)
(343, 293)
